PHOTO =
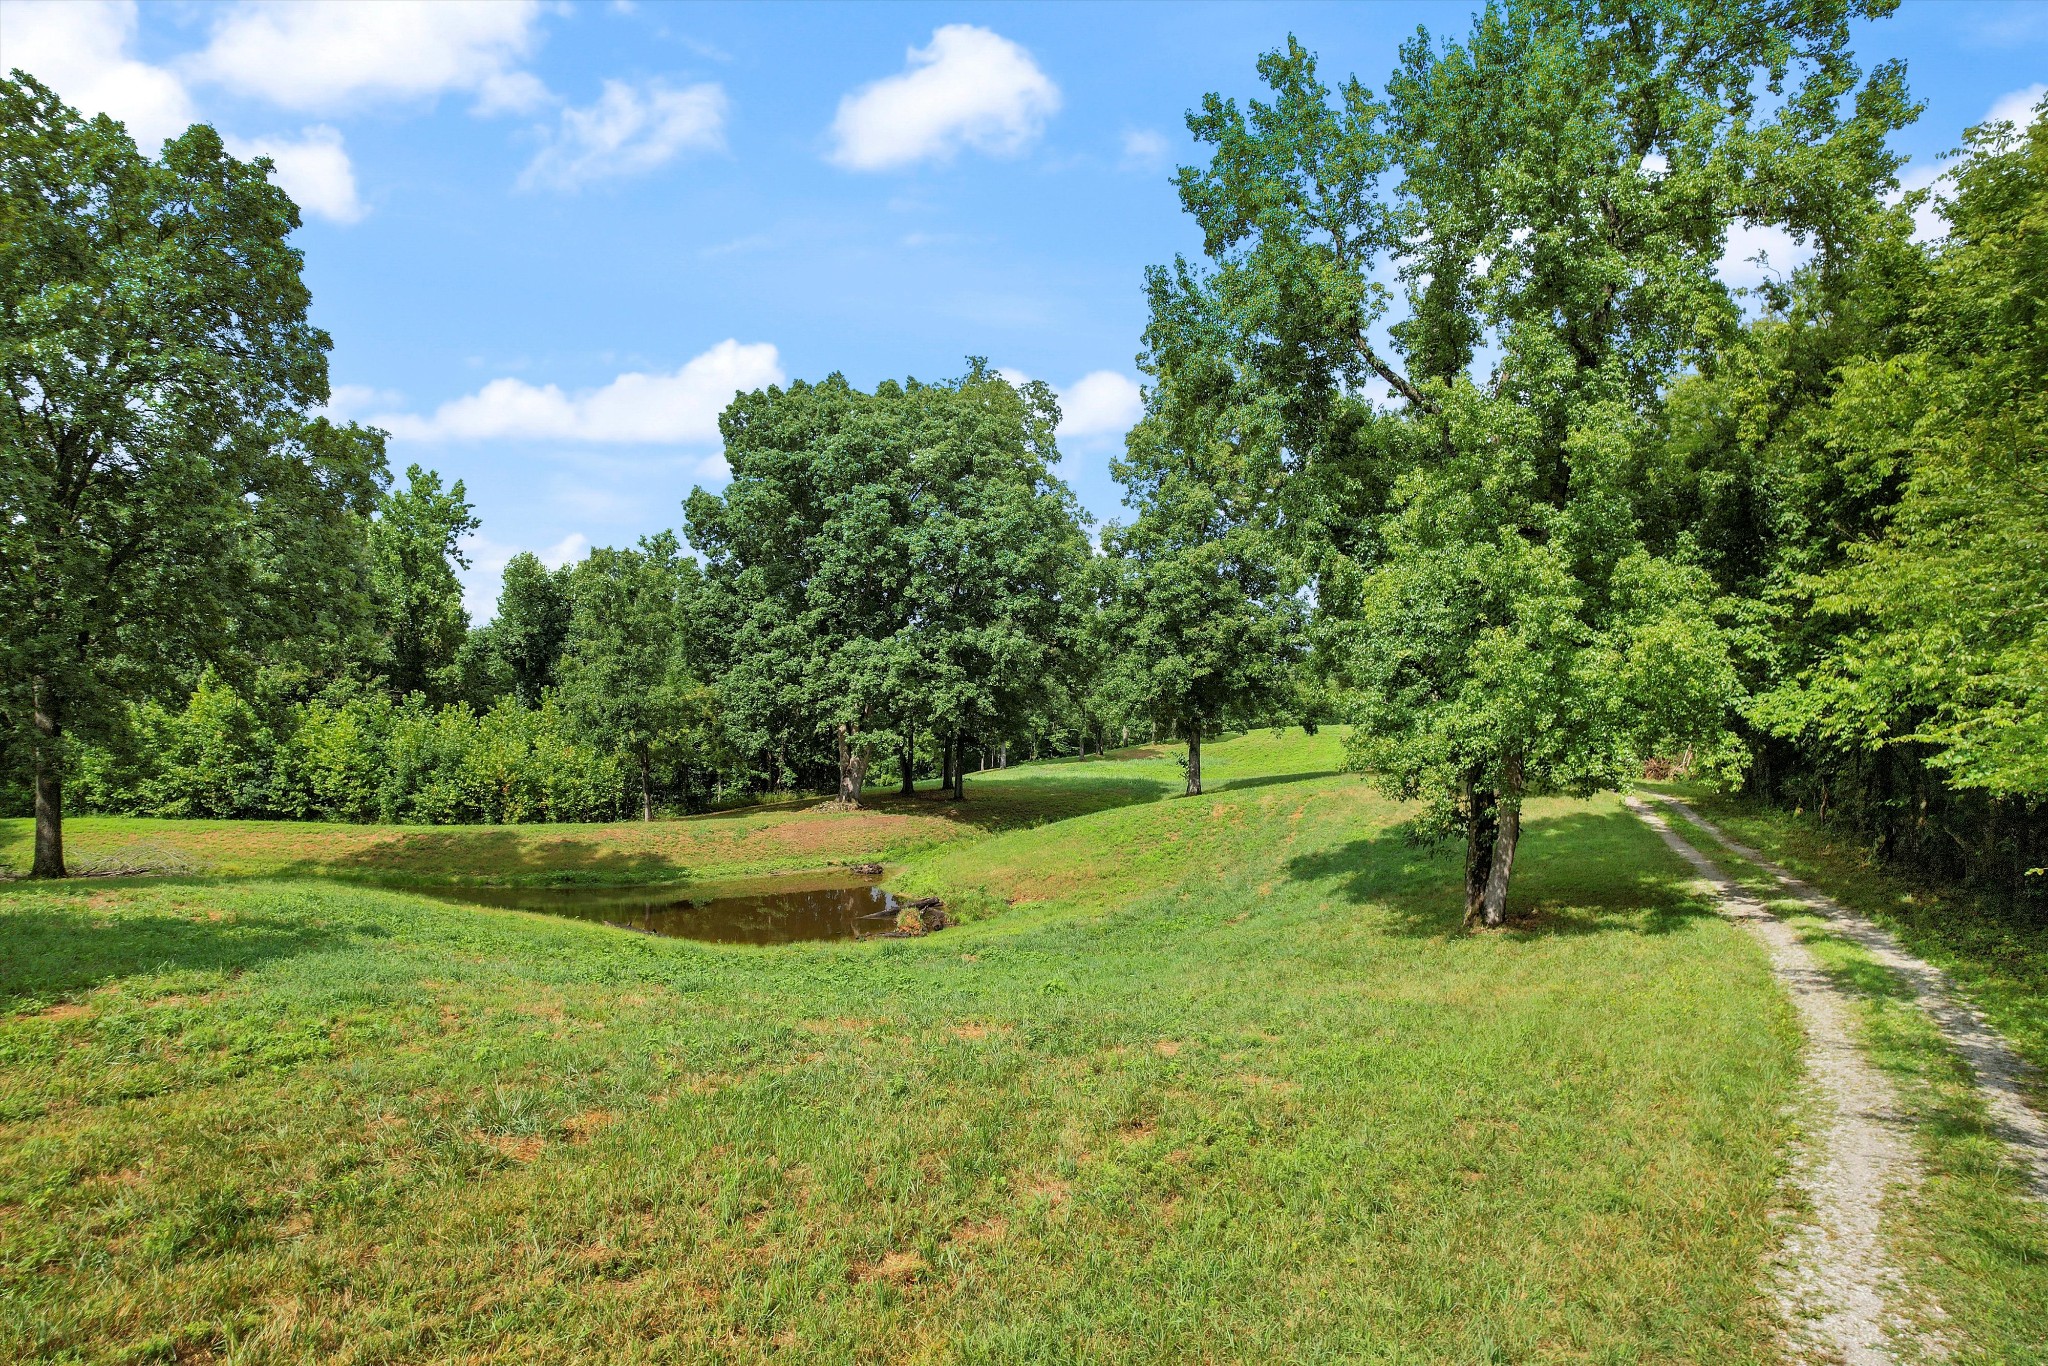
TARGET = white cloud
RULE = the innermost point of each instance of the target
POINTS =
(314, 171)
(629, 132)
(568, 550)
(970, 88)
(1781, 255)
(79, 49)
(1100, 403)
(673, 409)
(1928, 223)
(1144, 148)
(349, 401)
(324, 54)
(2017, 108)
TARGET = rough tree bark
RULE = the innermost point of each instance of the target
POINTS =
(907, 760)
(49, 781)
(1481, 826)
(959, 792)
(1504, 841)
(1194, 730)
(853, 770)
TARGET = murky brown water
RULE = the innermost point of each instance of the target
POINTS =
(770, 910)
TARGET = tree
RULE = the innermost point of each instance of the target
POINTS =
(885, 562)
(415, 549)
(802, 570)
(164, 494)
(531, 625)
(626, 674)
(1947, 605)
(1566, 180)
(1862, 471)
(995, 551)
(1204, 612)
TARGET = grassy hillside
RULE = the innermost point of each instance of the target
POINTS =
(1208, 1079)
(778, 837)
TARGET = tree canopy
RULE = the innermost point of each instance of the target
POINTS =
(166, 492)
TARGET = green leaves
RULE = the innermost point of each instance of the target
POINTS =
(887, 562)
(1948, 605)
(165, 495)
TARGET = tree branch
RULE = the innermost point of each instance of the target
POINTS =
(1394, 378)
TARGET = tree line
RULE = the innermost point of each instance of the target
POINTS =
(1454, 432)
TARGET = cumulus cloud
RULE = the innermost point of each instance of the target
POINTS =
(79, 48)
(325, 54)
(2017, 107)
(568, 550)
(970, 88)
(1144, 148)
(1100, 403)
(659, 409)
(629, 132)
(314, 170)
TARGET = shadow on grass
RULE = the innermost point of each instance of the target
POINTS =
(516, 855)
(1579, 873)
(58, 951)
(1270, 780)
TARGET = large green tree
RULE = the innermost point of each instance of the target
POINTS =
(415, 549)
(1553, 195)
(995, 550)
(1205, 616)
(885, 563)
(1861, 471)
(164, 494)
(531, 624)
(627, 671)
(1946, 607)
(805, 572)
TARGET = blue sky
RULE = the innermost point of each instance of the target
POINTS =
(550, 239)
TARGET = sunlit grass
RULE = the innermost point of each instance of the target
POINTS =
(1237, 1090)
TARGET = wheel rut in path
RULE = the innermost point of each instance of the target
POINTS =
(2000, 1073)
(1837, 1286)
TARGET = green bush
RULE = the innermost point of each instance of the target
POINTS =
(351, 756)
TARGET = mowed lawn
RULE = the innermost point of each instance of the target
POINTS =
(1212, 1079)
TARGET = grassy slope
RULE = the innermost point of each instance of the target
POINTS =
(1222, 1086)
(783, 837)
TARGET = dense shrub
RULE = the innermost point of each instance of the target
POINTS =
(355, 757)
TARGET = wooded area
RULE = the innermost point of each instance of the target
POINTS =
(1585, 508)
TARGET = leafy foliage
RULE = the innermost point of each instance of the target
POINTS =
(165, 495)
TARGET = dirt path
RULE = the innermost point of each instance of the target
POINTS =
(1999, 1071)
(1837, 1286)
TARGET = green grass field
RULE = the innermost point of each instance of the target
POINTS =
(1214, 1079)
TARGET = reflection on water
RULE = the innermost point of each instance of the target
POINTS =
(770, 910)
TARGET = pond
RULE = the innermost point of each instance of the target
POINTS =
(768, 910)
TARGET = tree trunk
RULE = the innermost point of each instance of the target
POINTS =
(853, 771)
(49, 781)
(646, 795)
(907, 759)
(959, 792)
(1481, 826)
(1194, 759)
(1504, 841)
